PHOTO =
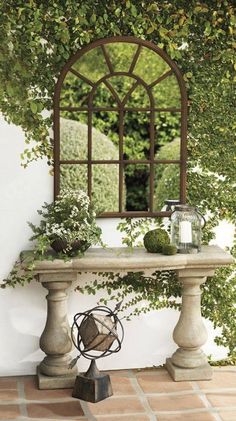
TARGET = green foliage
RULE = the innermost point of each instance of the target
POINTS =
(212, 167)
(218, 299)
(70, 218)
(70, 221)
(105, 177)
(22, 272)
(136, 124)
(132, 229)
(142, 293)
(171, 150)
(168, 186)
(137, 143)
(167, 177)
(37, 38)
(169, 249)
(154, 240)
(157, 291)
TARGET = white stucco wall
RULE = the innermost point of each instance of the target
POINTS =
(148, 338)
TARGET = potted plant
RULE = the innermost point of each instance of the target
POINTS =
(68, 225)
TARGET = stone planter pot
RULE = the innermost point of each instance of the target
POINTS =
(78, 245)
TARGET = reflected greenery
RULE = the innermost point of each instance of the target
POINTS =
(92, 65)
(150, 66)
(121, 55)
(105, 178)
(117, 88)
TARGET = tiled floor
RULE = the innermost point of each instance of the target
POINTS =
(139, 395)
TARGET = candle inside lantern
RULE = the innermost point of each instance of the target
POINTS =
(185, 232)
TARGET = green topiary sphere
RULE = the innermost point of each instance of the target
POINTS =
(154, 240)
(105, 178)
(169, 249)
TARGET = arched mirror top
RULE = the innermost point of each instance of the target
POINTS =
(120, 117)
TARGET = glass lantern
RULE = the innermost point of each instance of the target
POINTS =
(170, 204)
(186, 229)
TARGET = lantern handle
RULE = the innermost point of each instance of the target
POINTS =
(203, 217)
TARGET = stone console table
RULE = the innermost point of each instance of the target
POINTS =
(187, 363)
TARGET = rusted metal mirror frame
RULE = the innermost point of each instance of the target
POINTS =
(183, 131)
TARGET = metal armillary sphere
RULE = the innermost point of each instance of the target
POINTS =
(96, 333)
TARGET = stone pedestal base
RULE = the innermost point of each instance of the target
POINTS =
(204, 372)
(55, 382)
(92, 390)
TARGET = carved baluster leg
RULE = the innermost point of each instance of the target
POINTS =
(189, 362)
(55, 341)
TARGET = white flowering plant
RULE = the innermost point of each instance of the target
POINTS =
(68, 224)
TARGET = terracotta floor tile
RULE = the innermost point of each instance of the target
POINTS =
(228, 416)
(82, 418)
(33, 393)
(205, 416)
(124, 418)
(150, 370)
(161, 383)
(8, 412)
(117, 406)
(222, 399)
(56, 410)
(122, 386)
(7, 383)
(120, 407)
(8, 389)
(8, 395)
(220, 380)
(175, 403)
(120, 373)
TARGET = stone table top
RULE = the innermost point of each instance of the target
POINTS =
(124, 259)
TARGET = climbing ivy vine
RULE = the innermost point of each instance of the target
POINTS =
(38, 37)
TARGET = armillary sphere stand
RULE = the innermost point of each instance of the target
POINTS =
(97, 337)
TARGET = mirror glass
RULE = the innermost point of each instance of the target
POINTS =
(150, 66)
(119, 128)
(73, 177)
(121, 55)
(92, 65)
(105, 186)
(167, 184)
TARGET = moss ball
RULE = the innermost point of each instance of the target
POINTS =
(169, 249)
(154, 240)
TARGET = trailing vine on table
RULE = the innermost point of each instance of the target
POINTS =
(142, 293)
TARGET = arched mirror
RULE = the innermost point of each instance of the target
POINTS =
(120, 112)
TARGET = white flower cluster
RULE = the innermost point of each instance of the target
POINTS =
(70, 218)
(54, 229)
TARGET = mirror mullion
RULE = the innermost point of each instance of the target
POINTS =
(163, 77)
(135, 59)
(107, 58)
(121, 166)
(152, 157)
(90, 117)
